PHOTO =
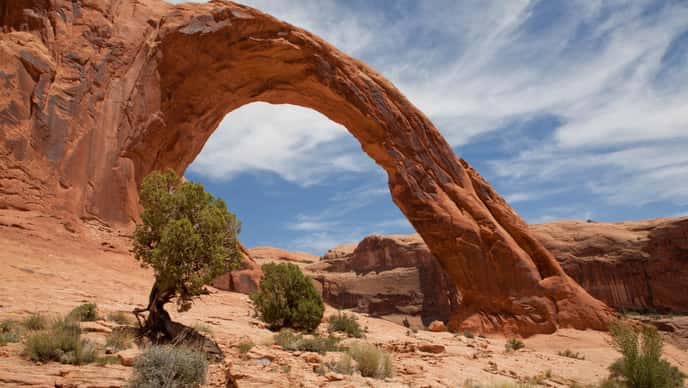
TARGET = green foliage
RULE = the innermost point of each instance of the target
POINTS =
(168, 366)
(186, 235)
(119, 340)
(121, 317)
(61, 343)
(641, 364)
(107, 360)
(10, 331)
(35, 321)
(371, 361)
(571, 354)
(513, 344)
(468, 334)
(287, 298)
(291, 341)
(406, 323)
(344, 323)
(84, 312)
(245, 346)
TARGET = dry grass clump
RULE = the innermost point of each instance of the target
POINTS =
(119, 340)
(62, 343)
(289, 340)
(84, 312)
(169, 366)
(371, 361)
(513, 344)
(10, 331)
(345, 323)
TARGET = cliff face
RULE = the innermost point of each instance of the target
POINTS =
(630, 265)
(387, 275)
(98, 93)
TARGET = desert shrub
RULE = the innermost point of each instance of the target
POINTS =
(344, 323)
(571, 354)
(287, 298)
(84, 312)
(371, 361)
(121, 317)
(245, 346)
(119, 340)
(641, 364)
(61, 343)
(168, 366)
(291, 341)
(10, 331)
(513, 344)
(35, 321)
(343, 365)
(468, 334)
(406, 323)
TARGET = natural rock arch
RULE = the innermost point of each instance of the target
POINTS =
(108, 91)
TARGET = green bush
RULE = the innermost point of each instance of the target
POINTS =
(641, 364)
(371, 361)
(84, 312)
(344, 323)
(406, 323)
(168, 366)
(513, 344)
(10, 331)
(468, 334)
(288, 340)
(287, 298)
(35, 321)
(245, 346)
(121, 317)
(61, 343)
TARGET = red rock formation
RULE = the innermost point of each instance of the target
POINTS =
(385, 275)
(98, 93)
(639, 265)
(245, 279)
(264, 255)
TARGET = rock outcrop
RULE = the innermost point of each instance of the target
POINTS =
(385, 275)
(244, 279)
(98, 93)
(640, 266)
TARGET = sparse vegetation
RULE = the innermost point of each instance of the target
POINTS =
(371, 361)
(513, 344)
(245, 346)
(291, 341)
(468, 334)
(35, 321)
(406, 323)
(107, 360)
(189, 238)
(121, 317)
(571, 354)
(61, 343)
(84, 312)
(119, 340)
(168, 366)
(287, 298)
(641, 364)
(345, 323)
(10, 331)
(344, 365)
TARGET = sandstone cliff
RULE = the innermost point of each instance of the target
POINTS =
(98, 93)
(639, 265)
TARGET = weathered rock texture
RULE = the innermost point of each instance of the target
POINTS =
(245, 279)
(98, 93)
(630, 265)
(387, 275)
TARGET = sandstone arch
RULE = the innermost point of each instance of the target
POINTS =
(106, 91)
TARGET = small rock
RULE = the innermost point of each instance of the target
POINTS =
(331, 376)
(431, 348)
(437, 326)
(312, 358)
(128, 356)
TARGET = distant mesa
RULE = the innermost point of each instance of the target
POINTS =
(96, 97)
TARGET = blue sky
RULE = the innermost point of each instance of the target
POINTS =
(571, 110)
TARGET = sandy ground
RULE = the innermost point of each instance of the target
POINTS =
(46, 268)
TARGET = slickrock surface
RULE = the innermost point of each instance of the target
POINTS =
(46, 268)
(263, 255)
(98, 93)
(641, 265)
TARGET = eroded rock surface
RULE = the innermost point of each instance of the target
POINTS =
(640, 265)
(98, 93)
(385, 275)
